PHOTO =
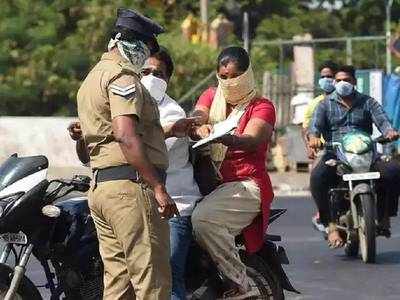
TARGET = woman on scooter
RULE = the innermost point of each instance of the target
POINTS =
(242, 202)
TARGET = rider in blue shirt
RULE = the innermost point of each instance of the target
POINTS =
(341, 112)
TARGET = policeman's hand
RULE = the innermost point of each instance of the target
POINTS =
(75, 131)
(167, 206)
(392, 135)
(314, 142)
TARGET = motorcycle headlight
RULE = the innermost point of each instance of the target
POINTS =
(357, 142)
(359, 162)
(7, 202)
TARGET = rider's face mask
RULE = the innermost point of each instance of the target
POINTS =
(156, 86)
(344, 88)
(326, 84)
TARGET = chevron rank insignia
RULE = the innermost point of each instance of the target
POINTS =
(123, 91)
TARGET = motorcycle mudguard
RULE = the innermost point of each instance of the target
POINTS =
(359, 189)
(274, 257)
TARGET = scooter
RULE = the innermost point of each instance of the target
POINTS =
(353, 202)
(62, 236)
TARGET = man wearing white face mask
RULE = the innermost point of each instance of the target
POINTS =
(341, 112)
(180, 182)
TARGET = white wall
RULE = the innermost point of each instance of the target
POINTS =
(38, 136)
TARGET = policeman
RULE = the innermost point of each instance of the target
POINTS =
(128, 156)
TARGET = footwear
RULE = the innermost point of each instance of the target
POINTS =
(317, 223)
(237, 293)
(335, 239)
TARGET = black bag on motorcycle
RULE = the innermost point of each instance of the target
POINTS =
(206, 172)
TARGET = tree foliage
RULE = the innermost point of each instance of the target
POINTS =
(48, 46)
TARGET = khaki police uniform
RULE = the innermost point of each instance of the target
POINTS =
(134, 240)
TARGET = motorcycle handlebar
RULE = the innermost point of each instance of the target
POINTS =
(78, 183)
(382, 140)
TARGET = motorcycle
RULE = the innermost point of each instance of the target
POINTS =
(353, 202)
(62, 236)
(205, 282)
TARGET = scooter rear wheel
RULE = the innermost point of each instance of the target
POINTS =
(367, 230)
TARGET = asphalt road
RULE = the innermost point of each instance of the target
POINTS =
(315, 270)
(321, 273)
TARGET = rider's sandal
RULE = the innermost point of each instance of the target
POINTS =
(337, 243)
(236, 294)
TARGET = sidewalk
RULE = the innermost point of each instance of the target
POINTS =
(290, 183)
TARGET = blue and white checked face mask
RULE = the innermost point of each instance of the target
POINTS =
(344, 88)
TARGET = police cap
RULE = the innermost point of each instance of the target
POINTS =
(133, 25)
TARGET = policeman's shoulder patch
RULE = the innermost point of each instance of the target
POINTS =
(123, 91)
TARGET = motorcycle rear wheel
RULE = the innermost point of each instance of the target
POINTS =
(26, 290)
(267, 284)
(367, 230)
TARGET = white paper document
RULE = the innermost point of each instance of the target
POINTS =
(219, 129)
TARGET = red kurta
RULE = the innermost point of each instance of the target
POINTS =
(241, 165)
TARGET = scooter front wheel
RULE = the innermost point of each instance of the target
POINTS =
(367, 230)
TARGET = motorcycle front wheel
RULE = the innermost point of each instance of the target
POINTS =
(26, 290)
(367, 230)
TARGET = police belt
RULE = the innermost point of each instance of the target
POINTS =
(124, 172)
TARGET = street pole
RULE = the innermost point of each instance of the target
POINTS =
(349, 51)
(204, 20)
(388, 53)
(246, 32)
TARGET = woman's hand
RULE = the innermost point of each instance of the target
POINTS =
(227, 139)
(201, 132)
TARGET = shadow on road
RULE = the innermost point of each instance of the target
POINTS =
(388, 258)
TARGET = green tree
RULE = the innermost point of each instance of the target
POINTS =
(48, 46)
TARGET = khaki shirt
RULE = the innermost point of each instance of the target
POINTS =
(112, 89)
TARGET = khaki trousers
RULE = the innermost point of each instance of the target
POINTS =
(134, 241)
(222, 215)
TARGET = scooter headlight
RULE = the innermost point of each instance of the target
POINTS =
(359, 162)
